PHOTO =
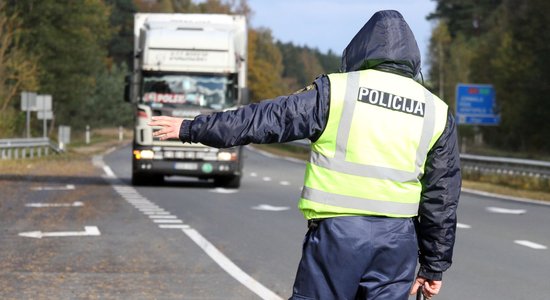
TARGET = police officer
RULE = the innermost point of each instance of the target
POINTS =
(383, 181)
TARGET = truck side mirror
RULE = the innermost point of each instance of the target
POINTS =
(244, 93)
(127, 85)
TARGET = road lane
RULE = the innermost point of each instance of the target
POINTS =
(265, 244)
(489, 264)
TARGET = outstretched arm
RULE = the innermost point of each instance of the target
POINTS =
(283, 119)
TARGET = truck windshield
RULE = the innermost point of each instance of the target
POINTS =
(177, 90)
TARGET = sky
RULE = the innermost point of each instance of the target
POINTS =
(331, 24)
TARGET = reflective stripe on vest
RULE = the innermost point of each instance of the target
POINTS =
(379, 181)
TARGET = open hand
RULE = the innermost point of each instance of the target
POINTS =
(170, 127)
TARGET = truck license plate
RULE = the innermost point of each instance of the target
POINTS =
(186, 166)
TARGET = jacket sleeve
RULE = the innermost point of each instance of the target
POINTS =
(283, 119)
(436, 223)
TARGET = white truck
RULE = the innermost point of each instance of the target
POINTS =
(185, 65)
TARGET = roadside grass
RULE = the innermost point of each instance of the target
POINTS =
(75, 159)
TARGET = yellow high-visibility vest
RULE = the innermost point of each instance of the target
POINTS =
(371, 155)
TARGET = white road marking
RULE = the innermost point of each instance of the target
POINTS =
(284, 183)
(218, 257)
(143, 209)
(109, 172)
(463, 226)
(168, 221)
(530, 244)
(224, 191)
(253, 174)
(162, 217)
(182, 226)
(67, 187)
(268, 207)
(149, 213)
(500, 210)
(266, 179)
(88, 231)
(74, 204)
(232, 269)
(146, 206)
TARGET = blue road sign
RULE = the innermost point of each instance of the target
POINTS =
(476, 104)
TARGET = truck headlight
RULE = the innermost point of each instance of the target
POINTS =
(144, 154)
(227, 156)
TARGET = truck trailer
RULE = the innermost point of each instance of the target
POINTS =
(185, 65)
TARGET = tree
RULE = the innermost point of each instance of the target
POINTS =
(18, 71)
(70, 39)
(105, 107)
(264, 66)
(506, 45)
(121, 46)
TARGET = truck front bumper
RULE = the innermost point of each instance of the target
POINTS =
(204, 169)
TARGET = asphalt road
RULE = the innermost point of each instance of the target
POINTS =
(189, 240)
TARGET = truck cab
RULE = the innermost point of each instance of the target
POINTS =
(186, 65)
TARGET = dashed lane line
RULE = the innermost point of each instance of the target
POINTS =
(129, 194)
(168, 221)
(463, 226)
(530, 244)
(162, 217)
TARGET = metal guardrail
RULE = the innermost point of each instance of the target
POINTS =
(26, 148)
(504, 166)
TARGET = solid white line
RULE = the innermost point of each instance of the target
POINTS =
(530, 244)
(504, 197)
(232, 269)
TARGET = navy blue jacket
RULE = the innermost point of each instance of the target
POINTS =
(304, 115)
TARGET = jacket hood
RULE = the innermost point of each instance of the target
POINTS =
(385, 42)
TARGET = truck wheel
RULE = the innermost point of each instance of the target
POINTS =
(231, 182)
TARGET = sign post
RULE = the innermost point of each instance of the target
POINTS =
(28, 104)
(44, 111)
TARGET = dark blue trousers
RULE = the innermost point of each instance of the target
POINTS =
(357, 258)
